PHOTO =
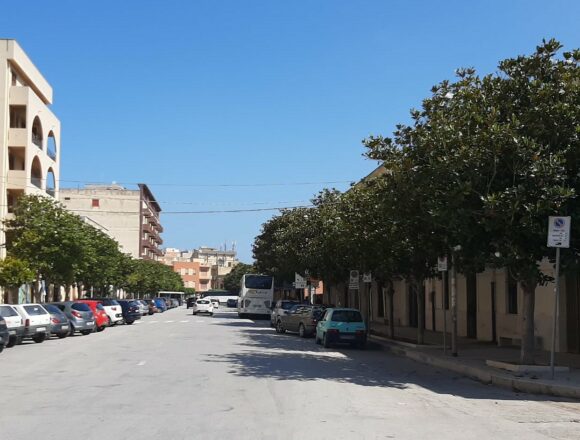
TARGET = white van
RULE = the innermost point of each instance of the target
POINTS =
(36, 321)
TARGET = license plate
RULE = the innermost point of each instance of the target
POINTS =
(41, 329)
(65, 327)
(347, 337)
(11, 332)
(90, 323)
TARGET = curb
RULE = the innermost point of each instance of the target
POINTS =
(481, 374)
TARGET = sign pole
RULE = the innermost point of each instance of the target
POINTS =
(555, 317)
(453, 307)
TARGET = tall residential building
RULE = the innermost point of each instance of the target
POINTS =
(29, 132)
(202, 269)
(129, 216)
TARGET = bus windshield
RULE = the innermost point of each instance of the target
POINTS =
(258, 282)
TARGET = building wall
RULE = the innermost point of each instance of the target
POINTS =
(118, 211)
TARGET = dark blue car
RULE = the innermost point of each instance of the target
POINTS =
(160, 304)
(130, 310)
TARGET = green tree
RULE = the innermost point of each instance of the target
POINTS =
(232, 279)
(14, 273)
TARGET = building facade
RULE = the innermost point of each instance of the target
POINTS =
(29, 132)
(131, 217)
(201, 269)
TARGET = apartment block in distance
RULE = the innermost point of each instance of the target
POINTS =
(129, 216)
(202, 269)
(29, 132)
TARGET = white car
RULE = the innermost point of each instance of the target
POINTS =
(113, 310)
(203, 306)
(216, 303)
(14, 322)
(36, 321)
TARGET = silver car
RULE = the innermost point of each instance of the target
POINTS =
(80, 316)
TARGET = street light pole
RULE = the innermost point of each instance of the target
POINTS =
(454, 303)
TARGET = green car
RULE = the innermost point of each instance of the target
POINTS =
(341, 325)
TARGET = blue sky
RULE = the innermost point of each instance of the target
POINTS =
(178, 94)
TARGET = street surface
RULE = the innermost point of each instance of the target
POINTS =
(177, 376)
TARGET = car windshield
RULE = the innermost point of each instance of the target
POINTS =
(346, 316)
(81, 307)
(258, 282)
(203, 301)
(7, 311)
(287, 305)
(53, 309)
(110, 302)
(100, 307)
(35, 310)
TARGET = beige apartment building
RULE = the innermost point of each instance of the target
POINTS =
(29, 132)
(131, 217)
(202, 269)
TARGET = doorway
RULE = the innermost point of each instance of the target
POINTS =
(471, 285)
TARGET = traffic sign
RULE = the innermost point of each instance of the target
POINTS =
(353, 279)
(367, 277)
(442, 264)
(559, 232)
(299, 281)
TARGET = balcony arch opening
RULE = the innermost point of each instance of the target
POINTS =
(37, 132)
(36, 173)
(50, 183)
(51, 145)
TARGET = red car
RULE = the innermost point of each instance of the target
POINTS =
(101, 318)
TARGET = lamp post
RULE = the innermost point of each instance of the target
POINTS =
(454, 302)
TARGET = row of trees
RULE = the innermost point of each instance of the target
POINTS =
(47, 242)
(475, 175)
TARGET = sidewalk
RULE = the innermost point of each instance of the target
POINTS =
(471, 362)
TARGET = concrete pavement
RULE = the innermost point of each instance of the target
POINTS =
(177, 376)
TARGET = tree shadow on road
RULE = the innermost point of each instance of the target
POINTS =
(268, 355)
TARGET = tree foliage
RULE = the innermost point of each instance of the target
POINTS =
(232, 279)
(477, 172)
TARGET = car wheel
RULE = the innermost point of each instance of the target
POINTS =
(302, 331)
(325, 341)
(195, 313)
(110, 321)
(86, 332)
(210, 313)
(11, 341)
(62, 335)
(2, 347)
(280, 328)
(39, 338)
(129, 322)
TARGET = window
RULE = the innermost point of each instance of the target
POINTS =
(95, 203)
(381, 305)
(346, 316)
(34, 310)
(182, 271)
(190, 271)
(512, 296)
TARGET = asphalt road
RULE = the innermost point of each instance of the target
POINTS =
(177, 376)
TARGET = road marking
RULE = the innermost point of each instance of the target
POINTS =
(200, 320)
(140, 364)
(168, 321)
(183, 321)
(137, 322)
(153, 322)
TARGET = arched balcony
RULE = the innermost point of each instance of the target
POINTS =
(37, 136)
(51, 145)
(36, 173)
(50, 183)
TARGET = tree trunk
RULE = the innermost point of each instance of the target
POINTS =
(420, 292)
(527, 351)
(391, 294)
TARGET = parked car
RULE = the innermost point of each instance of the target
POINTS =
(15, 324)
(4, 335)
(279, 307)
(131, 312)
(341, 325)
(101, 317)
(216, 304)
(203, 306)
(160, 304)
(36, 321)
(190, 301)
(152, 307)
(232, 303)
(301, 318)
(143, 308)
(168, 303)
(112, 309)
(80, 316)
(175, 302)
(59, 324)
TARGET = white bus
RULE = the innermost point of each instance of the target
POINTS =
(256, 295)
(220, 295)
